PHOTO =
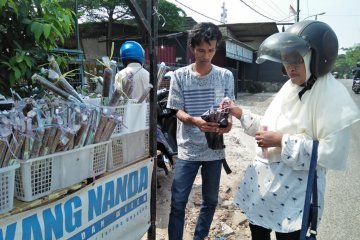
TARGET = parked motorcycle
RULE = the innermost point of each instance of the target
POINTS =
(356, 81)
(356, 85)
(166, 131)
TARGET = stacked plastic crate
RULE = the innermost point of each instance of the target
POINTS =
(130, 139)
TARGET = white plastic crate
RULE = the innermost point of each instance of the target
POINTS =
(41, 176)
(128, 148)
(135, 118)
(7, 179)
(93, 101)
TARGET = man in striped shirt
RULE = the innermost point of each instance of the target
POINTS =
(194, 89)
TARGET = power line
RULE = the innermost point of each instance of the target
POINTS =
(258, 7)
(276, 6)
(198, 12)
(259, 12)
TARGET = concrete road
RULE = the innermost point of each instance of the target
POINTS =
(341, 219)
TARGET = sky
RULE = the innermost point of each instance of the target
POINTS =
(343, 16)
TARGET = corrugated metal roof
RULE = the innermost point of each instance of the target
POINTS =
(251, 34)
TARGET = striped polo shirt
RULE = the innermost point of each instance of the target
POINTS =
(195, 95)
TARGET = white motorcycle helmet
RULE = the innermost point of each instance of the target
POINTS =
(293, 44)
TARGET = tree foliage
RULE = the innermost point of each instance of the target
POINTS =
(346, 62)
(28, 31)
(173, 16)
(170, 16)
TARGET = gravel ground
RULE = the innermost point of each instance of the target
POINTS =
(228, 223)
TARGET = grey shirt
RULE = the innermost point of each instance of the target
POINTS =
(195, 95)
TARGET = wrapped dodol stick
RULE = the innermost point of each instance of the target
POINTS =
(28, 107)
(70, 145)
(92, 125)
(64, 140)
(50, 140)
(62, 82)
(32, 123)
(100, 80)
(106, 82)
(109, 129)
(9, 151)
(21, 141)
(70, 142)
(3, 148)
(50, 86)
(100, 128)
(12, 150)
(80, 134)
(44, 141)
(25, 147)
(35, 150)
(128, 87)
(56, 141)
(60, 147)
(145, 93)
(161, 73)
(115, 98)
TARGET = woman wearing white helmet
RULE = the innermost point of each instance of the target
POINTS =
(311, 105)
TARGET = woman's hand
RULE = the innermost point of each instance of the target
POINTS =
(266, 139)
(234, 110)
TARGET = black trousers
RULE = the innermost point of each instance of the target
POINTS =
(260, 233)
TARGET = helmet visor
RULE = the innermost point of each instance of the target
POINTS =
(285, 48)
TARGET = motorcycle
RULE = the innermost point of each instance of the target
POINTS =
(356, 85)
(165, 132)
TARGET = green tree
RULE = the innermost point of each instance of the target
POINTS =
(346, 62)
(116, 10)
(173, 16)
(28, 31)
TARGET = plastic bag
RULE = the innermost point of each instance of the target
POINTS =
(214, 140)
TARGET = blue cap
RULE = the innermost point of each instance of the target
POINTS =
(131, 50)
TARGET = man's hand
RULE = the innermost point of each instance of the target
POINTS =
(205, 126)
(225, 130)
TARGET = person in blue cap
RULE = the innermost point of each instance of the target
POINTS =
(133, 56)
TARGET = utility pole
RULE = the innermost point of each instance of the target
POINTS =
(298, 10)
(223, 14)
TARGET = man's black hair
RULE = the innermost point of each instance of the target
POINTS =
(205, 31)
